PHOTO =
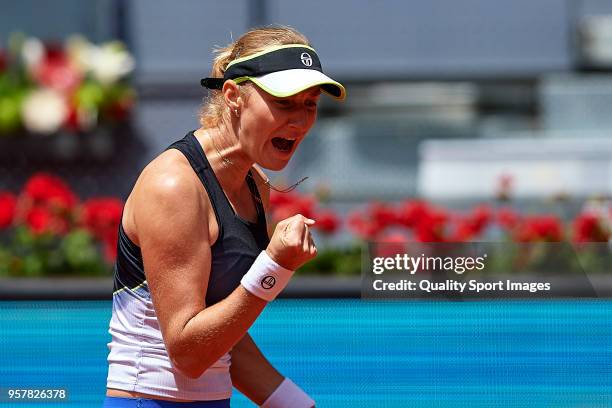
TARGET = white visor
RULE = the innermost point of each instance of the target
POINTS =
(292, 81)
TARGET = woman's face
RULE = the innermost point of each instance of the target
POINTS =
(271, 128)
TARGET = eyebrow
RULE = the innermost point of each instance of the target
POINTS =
(314, 94)
(311, 94)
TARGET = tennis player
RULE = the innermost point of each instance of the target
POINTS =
(195, 265)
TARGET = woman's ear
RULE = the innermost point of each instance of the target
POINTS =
(231, 96)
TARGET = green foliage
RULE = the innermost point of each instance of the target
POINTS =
(11, 98)
(90, 95)
(33, 255)
(335, 261)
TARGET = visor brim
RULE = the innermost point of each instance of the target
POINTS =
(293, 81)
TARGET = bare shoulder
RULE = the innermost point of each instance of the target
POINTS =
(264, 190)
(167, 191)
(169, 169)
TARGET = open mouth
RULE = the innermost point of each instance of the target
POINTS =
(282, 144)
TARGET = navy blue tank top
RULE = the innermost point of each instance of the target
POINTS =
(234, 251)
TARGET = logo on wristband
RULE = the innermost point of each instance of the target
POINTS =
(268, 282)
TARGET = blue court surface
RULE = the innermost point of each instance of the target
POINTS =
(354, 353)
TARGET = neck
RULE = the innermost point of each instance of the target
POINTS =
(227, 160)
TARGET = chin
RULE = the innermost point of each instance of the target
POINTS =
(274, 161)
(275, 166)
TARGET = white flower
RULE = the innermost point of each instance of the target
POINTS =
(44, 111)
(78, 50)
(32, 52)
(109, 62)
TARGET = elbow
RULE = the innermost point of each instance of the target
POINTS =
(188, 363)
(187, 368)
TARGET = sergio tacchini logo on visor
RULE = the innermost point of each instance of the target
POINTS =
(306, 59)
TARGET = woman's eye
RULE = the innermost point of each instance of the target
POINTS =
(283, 102)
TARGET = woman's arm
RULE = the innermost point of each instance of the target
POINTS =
(252, 374)
(171, 219)
(172, 224)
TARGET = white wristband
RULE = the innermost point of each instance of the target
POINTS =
(288, 395)
(266, 279)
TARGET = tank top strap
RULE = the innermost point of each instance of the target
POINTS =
(194, 153)
(261, 212)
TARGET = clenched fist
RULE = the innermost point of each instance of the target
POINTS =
(291, 245)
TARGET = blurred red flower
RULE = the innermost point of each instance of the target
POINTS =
(39, 219)
(432, 225)
(46, 204)
(3, 61)
(371, 222)
(428, 223)
(480, 217)
(120, 109)
(72, 121)
(56, 71)
(508, 218)
(411, 212)
(463, 232)
(278, 199)
(43, 219)
(101, 217)
(363, 227)
(285, 205)
(382, 214)
(588, 227)
(110, 250)
(8, 205)
(390, 244)
(47, 189)
(546, 228)
(473, 224)
(327, 221)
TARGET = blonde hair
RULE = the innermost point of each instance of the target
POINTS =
(251, 42)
